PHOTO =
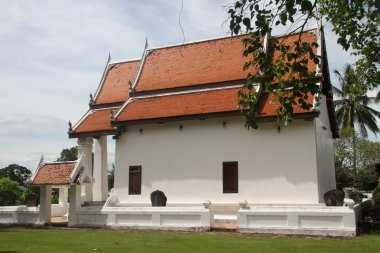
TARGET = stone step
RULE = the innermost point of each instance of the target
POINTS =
(94, 203)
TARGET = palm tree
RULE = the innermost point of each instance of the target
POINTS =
(352, 106)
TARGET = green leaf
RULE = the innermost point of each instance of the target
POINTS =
(283, 18)
(306, 6)
(247, 22)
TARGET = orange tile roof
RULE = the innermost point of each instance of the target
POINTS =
(215, 101)
(54, 173)
(308, 36)
(115, 87)
(211, 61)
(96, 120)
(268, 108)
(206, 62)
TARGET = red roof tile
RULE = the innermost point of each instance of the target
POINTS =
(211, 61)
(54, 173)
(268, 108)
(96, 120)
(206, 62)
(215, 101)
(115, 87)
(309, 37)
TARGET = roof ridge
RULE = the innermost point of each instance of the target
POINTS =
(124, 61)
(63, 162)
(224, 37)
(102, 80)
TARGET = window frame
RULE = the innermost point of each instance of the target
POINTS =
(236, 181)
(131, 168)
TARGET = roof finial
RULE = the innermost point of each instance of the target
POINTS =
(109, 56)
(130, 85)
(91, 99)
(70, 127)
(146, 43)
(41, 160)
(112, 118)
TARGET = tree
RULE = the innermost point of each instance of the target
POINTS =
(355, 22)
(367, 154)
(16, 173)
(352, 103)
(10, 195)
(352, 107)
(111, 177)
(68, 154)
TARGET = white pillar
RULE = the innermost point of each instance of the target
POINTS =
(75, 203)
(45, 204)
(100, 186)
(85, 148)
(63, 193)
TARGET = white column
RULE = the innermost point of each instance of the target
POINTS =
(75, 203)
(45, 204)
(100, 186)
(85, 148)
(63, 193)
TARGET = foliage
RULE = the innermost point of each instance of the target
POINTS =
(16, 173)
(68, 154)
(367, 179)
(352, 103)
(376, 194)
(10, 195)
(39, 240)
(344, 178)
(31, 189)
(367, 154)
(357, 27)
(111, 177)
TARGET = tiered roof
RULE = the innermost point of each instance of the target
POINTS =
(112, 92)
(180, 82)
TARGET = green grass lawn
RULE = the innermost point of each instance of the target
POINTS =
(16, 239)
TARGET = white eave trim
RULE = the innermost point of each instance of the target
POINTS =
(174, 93)
(89, 112)
(124, 61)
(142, 62)
(36, 171)
(105, 72)
(122, 107)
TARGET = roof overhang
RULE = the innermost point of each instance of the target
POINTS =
(261, 119)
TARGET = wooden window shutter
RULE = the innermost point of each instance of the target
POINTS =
(134, 180)
(230, 177)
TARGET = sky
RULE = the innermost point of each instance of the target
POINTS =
(53, 54)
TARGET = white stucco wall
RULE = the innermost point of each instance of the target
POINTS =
(274, 167)
(325, 151)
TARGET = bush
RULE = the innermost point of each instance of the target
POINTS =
(34, 190)
(367, 179)
(344, 178)
(10, 194)
(376, 194)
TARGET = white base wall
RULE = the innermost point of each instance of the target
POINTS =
(19, 215)
(301, 220)
(155, 218)
(186, 163)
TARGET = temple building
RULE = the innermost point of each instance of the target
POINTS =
(175, 119)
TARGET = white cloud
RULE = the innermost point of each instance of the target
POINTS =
(53, 54)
